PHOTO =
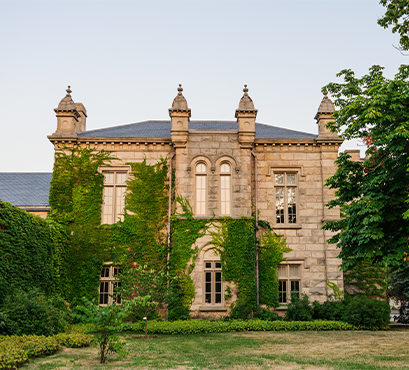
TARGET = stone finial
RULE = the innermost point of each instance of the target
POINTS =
(180, 103)
(326, 106)
(66, 103)
(246, 103)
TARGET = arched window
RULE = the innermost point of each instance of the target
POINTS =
(201, 185)
(225, 189)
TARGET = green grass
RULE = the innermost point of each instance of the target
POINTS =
(360, 350)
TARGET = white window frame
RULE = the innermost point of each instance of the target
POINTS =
(113, 212)
(212, 271)
(225, 205)
(286, 186)
(108, 279)
(200, 204)
(289, 278)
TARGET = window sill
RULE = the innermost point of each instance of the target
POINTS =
(295, 226)
(281, 308)
(213, 308)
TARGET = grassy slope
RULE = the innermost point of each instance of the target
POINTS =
(361, 350)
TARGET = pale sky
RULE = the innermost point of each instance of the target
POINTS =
(125, 59)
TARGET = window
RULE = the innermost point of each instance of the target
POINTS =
(225, 189)
(289, 277)
(285, 187)
(114, 196)
(213, 282)
(201, 185)
(108, 285)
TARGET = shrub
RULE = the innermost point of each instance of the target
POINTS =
(32, 313)
(367, 313)
(204, 326)
(14, 351)
(329, 310)
(266, 315)
(105, 322)
(299, 309)
(363, 312)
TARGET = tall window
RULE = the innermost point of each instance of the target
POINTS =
(109, 285)
(213, 282)
(114, 196)
(201, 182)
(289, 277)
(285, 185)
(225, 189)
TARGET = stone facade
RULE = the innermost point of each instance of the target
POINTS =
(256, 154)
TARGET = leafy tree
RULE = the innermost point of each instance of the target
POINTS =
(149, 286)
(372, 193)
(397, 17)
(105, 322)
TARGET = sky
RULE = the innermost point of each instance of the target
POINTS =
(125, 59)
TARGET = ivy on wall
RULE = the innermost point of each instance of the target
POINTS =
(144, 229)
(30, 252)
(236, 242)
(185, 231)
(76, 198)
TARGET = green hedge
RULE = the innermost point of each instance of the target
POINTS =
(204, 326)
(14, 351)
(30, 252)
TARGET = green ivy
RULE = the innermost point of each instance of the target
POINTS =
(76, 198)
(185, 230)
(144, 229)
(30, 252)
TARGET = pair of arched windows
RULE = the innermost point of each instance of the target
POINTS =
(201, 189)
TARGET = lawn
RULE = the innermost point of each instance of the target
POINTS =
(363, 350)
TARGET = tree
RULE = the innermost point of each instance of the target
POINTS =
(397, 16)
(105, 322)
(373, 193)
(146, 288)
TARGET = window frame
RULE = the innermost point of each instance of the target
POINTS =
(228, 175)
(213, 270)
(113, 208)
(288, 279)
(285, 186)
(206, 187)
(112, 283)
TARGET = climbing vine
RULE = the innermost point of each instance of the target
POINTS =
(185, 230)
(236, 242)
(76, 199)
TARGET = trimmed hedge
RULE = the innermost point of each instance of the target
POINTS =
(14, 351)
(204, 326)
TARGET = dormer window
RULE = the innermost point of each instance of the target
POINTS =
(201, 189)
(225, 189)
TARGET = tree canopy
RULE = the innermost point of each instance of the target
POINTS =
(397, 17)
(372, 193)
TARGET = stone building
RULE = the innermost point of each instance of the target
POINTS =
(229, 168)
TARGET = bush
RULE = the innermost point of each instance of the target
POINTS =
(266, 315)
(14, 351)
(299, 309)
(363, 312)
(367, 313)
(32, 313)
(204, 326)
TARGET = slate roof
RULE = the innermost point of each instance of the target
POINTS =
(161, 129)
(25, 189)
